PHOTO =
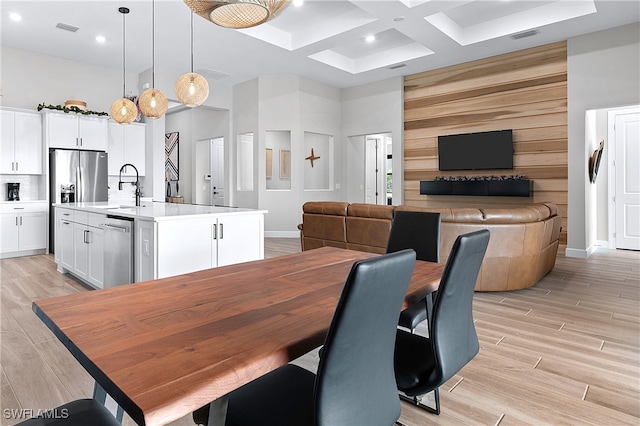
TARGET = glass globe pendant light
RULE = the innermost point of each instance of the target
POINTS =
(192, 89)
(152, 102)
(123, 111)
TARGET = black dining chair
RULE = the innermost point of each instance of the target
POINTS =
(82, 412)
(423, 364)
(419, 231)
(355, 383)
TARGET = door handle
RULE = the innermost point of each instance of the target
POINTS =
(221, 230)
(214, 231)
(16, 220)
(86, 239)
(20, 220)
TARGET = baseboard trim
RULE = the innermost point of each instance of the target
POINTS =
(282, 234)
(580, 253)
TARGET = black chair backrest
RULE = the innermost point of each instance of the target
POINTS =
(453, 333)
(355, 382)
(416, 230)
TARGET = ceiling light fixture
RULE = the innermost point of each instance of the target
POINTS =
(15, 17)
(152, 102)
(100, 39)
(298, 3)
(192, 89)
(123, 110)
(237, 13)
(370, 38)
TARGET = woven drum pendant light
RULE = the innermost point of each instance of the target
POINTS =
(153, 103)
(237, 13)
(192, 89)
(123, 110)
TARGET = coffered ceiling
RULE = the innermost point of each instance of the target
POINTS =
(324, 40)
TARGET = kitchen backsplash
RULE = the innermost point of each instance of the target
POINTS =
(128, 190)
(31, 186)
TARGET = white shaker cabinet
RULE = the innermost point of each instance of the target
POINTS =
(24, 229)
(212, 242)
(73, 131)
(126, 145)
(80, 244)
(20, 143)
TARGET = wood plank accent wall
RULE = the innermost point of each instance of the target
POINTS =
(525, 91)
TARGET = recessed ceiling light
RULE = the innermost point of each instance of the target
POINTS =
(399, 19)
(298, 3)
(15, 17)
(100, 39)
(370, 38)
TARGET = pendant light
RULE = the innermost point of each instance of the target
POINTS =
(153, 103)
(192, 89)
(123, 110)
(237, 13)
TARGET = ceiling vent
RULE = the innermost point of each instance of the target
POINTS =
(67, 27)
(525, 34)
(210, 74)
(395, 67)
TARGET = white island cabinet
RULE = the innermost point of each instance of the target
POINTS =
(169, 239)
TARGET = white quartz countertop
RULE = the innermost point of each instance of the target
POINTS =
(156, 211)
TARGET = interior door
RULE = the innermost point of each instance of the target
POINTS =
(375, 191)
(627, 175)
(217, 172)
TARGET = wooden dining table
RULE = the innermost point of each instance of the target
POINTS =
(163, 348)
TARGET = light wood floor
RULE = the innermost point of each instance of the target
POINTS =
(566, 351)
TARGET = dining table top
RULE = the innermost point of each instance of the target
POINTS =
(166, 347)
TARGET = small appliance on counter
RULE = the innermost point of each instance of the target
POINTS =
(13, 191)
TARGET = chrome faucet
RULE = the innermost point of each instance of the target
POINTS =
(137, 182)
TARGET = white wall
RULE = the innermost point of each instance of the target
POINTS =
(194, 125)
(603, 72)
(370, 109)
(29, 79)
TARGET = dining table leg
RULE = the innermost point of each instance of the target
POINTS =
(100, 395)
(218, 412)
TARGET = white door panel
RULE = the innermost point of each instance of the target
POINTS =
(627, 175)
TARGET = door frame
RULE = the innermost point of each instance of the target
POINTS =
(611, 177)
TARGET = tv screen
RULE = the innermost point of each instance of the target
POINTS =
(476, 151)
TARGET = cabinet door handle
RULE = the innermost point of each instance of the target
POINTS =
(20, 220)
(16, 220)
(17, 166)
(221, 230)
(214, 231)
(86, 235)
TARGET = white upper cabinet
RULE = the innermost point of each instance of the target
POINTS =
(21, 144)
(74, 131)
(126, 145)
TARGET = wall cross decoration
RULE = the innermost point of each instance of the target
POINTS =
(312, 157)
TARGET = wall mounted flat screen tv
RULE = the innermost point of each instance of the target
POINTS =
(476, 151)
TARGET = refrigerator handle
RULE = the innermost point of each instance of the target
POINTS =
(78, 188)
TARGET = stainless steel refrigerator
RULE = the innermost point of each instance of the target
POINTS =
(75, 177)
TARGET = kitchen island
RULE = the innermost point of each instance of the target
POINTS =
(166, 239)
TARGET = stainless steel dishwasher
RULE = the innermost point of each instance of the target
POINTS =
(118, 251)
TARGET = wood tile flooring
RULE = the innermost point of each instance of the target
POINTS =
(566, 351)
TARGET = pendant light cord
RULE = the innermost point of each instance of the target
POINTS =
(124, 57)
(153, 44)
(192, 42)
(124, 11)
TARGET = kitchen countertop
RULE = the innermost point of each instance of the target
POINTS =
(156, 211)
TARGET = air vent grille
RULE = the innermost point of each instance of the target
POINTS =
(525, 34)
(67, 27)
(210, 74)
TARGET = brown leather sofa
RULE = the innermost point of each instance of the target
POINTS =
(522, 248)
